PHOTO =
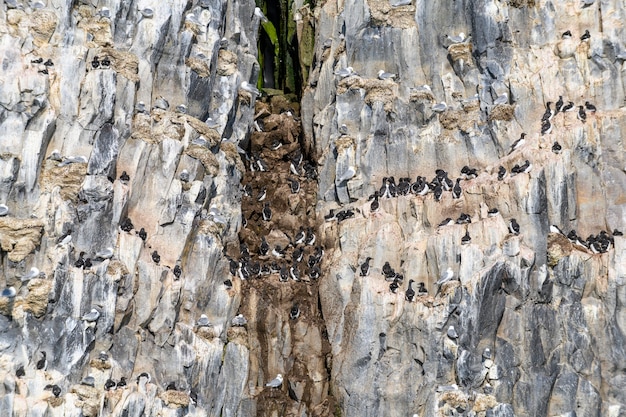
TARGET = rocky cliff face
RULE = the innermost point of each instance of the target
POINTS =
(143, 274)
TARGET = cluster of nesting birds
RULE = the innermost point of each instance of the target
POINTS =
(600, 243)
(562, 107)
(300, 258)
(43, 66)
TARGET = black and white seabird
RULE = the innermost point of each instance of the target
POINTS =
(9, 292)
(262, 194)
(177, 271)
(559, 105)
(617, 232)
(421, 289)
(375, 205)
(582, 115)
(56, 390)
(109, 385)
(492, 212)
(315, 272)
(555, 229)
(404, 186)
(278, 252)
(284, 274)
(452, 334)
(501, 173)
(156, 257)
(393, 287)
(568, 107)
(95, 62)
(294, 185)
(410, 292)
(466, 239)
(42, 363)
(438, 192)
(122, 382)
(549, 113)
(556, 147)
(464, 218)
(365, 267)
(300, 236)
(456, 191)
(518, 143)
(49, 63)
(310, 237)
(278, 381)
(388, 271)
(294, 272)
(585, 36)
(514, 227)
(294, 313)
(267, 212)
(37, 61)
(228, 284)
(566, 34)
(142, 234)
(447, 222)
(264, 247)
(20, 372)
(126, 225)
(590, 107)
(297, 255)
(106, 62)
(276, 144)
(546, 127)
(124, 177)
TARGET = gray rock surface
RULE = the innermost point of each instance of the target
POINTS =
(531, 323)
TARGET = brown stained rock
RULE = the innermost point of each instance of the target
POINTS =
(88, 399)
(175, 399)
(19, 237)
(450, 119)
(207, 227)
(116, 270)
(199, 66)
(36, 301)
(99, 364)
(521, 3)
(207, 332)
(281, 103)
(483, 402)
(384, 15)
(211, 135)
(226, 63)
(206, 157)
(454, 399)
(55, 401)
(69, 178)
(559, 247)
(244, 97)
(238, 335)
(503, 112)
(232, 156)
(460, 51)
(375, 90)
(124, 63)
(98, 27)
(43, 24)
(421, 95)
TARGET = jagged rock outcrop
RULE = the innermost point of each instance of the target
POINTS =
(136, 160)
(538, 323)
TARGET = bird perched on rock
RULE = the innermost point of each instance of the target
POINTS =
(466, 239)
(95, 62)
(452, 334)
(294, 185)
(456, 191)
(348, 174)
(440, 107)
(375, 205)
(447, 222)
(142, 234)
(568, 107)
(177, 271)
(156, 257)
(558, 105)
(514, 227)
(33, 273)
(448, 275)
(42, 363)
(294, 313)
(276, 382)
(4, 210)
(345, 72)
(19, 372)
(203, 321)
(585, 36)
(556, 148)
(365, 267)
(590, 107)
(92, 316)
(546, 127)
(492, 212)
(518, 143)
(382, 75)
(388, 271)
(310, 237)
(126, 225)
(267, 212)
(239, 321)
(393, 287)
(264, 247)
(549, 113)
(410, 292)
(124, 177)
(566, 35)
(582, 115)
(245, 86)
